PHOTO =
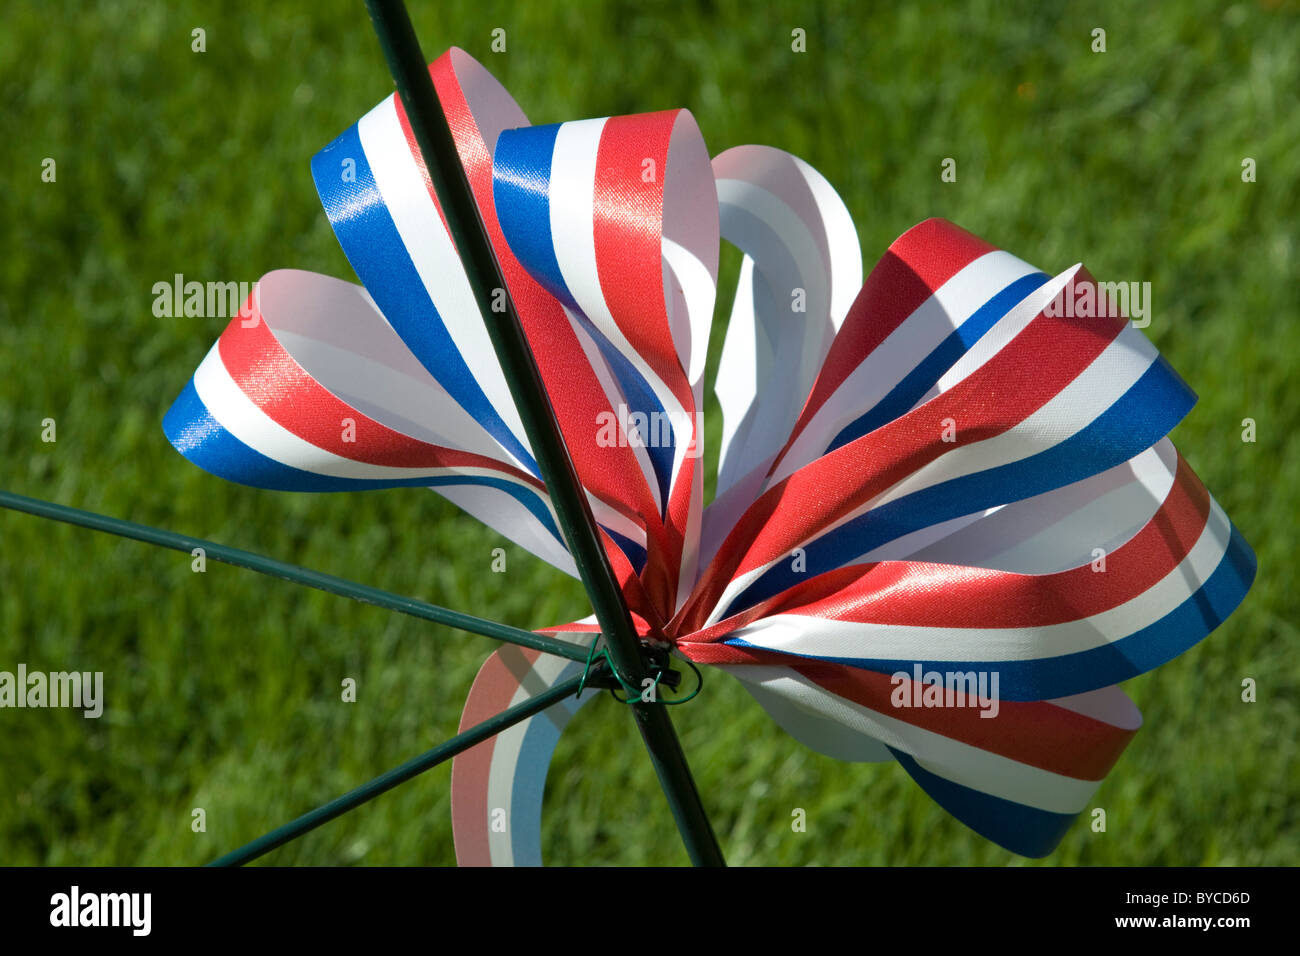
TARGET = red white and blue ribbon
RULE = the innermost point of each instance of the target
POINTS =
(929, 473)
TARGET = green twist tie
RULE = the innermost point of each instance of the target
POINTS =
(636, 696)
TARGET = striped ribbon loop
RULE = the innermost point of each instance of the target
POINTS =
(948, 520)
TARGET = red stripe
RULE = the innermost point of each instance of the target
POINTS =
(492, 691)
(611, 474)
(1024, 375)
(289, 396)
(627, 222)
(919, 594)
(1038, 733)
(916, 264)
(640, 624)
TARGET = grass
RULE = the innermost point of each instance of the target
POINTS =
(224, 688)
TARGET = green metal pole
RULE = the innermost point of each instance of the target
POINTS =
(438, 149)
(413, 767)
(291, 572)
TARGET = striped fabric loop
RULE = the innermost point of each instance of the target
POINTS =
(948, 519)
(616, 219)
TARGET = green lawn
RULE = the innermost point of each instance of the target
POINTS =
(223, 688)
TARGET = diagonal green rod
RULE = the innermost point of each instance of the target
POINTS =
(294, 573)
(437, 148)
(400, 774)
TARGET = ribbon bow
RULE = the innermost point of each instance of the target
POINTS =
(947, 520)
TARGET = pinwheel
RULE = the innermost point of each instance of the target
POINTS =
(948, 520)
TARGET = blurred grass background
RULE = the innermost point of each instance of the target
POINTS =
(223, 689)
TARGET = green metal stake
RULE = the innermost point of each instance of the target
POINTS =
(413, 767)
(438, 149)
(291, 572)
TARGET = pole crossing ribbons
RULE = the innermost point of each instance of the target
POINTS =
(948, 519)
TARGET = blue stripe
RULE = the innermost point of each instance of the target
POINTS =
(197, 435)
(1143, 650)
(640, 397)
(1028, 831)
(370, 240)
(634, 553)
(1142, 416)
(921, 379)
(521, 183)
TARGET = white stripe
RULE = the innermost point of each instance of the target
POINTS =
(1060, 529)
(826, 736)
(1103, 383)
(1002, 332)
(697, 289)
(507, 516)
(418, 407)
(240, 416)
(789, 258)
(421, 230)
(951, 759)
(514, 842)
(1109, 705)
(1121, 364)
(337, 334)
(810, 636)
(796, 233)
(736, 386)
(905, 547)
(841, 241)
(572, 207)
(690, 230)
(949, 308)
(614, 520)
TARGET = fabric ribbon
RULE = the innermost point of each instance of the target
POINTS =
(947, 522)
